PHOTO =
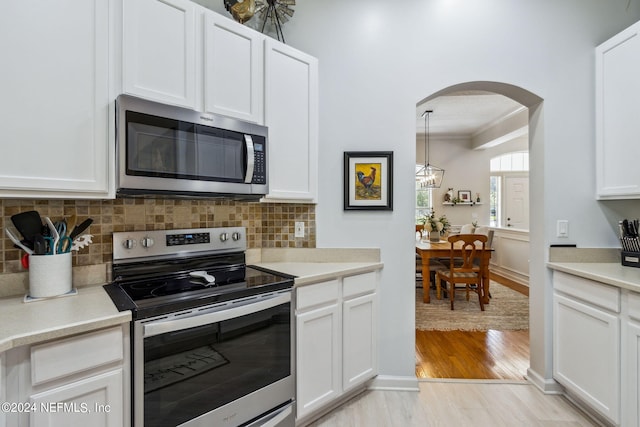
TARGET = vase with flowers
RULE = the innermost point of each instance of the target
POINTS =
(436, 226)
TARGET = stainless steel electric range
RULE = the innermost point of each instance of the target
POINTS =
(212, 338)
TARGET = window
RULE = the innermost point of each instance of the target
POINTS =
(423, 200)
(502, 166)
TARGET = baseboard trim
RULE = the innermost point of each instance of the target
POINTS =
(547, 386)
(397, 383)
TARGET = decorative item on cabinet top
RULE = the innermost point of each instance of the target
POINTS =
(274, 12)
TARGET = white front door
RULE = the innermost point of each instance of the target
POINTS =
(516, 202)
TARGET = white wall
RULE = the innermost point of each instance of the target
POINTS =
(379, 58)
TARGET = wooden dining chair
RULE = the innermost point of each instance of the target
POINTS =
(472, 247)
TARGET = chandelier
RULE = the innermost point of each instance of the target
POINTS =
(428, 176)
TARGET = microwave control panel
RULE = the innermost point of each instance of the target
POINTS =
(259, 168)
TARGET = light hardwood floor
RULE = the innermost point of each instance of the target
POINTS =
(456, 404)
(500, 355)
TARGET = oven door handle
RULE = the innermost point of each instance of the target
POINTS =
(165, 326)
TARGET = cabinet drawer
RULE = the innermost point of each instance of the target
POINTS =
(68, 356)
(317, 294)
(360, 284)
(634, 305)
(596, 293)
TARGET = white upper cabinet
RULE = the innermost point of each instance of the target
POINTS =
(159, 50)
(233, 63)
(55, 86)
(617, 112)
(291, 113)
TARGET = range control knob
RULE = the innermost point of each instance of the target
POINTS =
(224, 237)
(236, 236)
(129, 243)
(147, 242)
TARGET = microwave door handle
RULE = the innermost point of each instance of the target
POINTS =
(250, 159)
(161, 327)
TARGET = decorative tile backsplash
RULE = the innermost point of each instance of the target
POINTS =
(268, 224)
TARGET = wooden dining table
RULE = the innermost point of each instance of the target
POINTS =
(442, 249)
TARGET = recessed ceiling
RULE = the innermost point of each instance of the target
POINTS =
(464, 114)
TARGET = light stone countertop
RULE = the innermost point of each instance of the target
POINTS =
(37, 321)
(313, 272)
(92, 308)
(614, 274)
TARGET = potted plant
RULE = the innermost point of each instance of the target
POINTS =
(436, 227)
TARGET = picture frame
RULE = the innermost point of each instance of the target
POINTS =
(464, 196)
(368, 180)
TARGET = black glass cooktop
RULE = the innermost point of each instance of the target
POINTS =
(166, 293)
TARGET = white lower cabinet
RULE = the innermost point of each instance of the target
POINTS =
(80, 380)
(359, 330)
(586, 343)
(318, 356)
(336, 340)
(632, 375)
(633, 378)
(94, 401)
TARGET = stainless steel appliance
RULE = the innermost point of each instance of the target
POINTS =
(212, 338)
(171, 151)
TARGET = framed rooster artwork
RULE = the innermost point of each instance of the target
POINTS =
(368, 180)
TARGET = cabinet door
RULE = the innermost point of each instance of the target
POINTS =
(359, 338)
(617, 112)
(95, 401)
(55, 99)
(586, 354)
(159, 49)
(318, 353)
(633, 375)
(291, 113)
(233, 61)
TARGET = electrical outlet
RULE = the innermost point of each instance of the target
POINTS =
(299, 230)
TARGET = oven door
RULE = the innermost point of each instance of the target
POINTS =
(225, 365)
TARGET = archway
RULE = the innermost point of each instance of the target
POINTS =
(539, 292)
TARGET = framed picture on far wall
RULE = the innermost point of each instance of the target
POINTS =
(464, 196)
(368, 180)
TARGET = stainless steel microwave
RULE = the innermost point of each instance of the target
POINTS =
(169, 151)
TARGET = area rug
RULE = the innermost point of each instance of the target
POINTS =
(508, 310)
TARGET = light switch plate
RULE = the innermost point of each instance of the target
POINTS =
(299, 229)
(562, 228)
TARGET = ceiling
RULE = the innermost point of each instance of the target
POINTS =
(464, 114)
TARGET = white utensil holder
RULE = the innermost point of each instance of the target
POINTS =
(49, 275)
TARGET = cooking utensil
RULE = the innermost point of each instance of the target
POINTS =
(28, 224)
(54, 233)
(71, 223)
(25, 261)
(80, 228)
(17, 242)
(82, 242)
(39, 245)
